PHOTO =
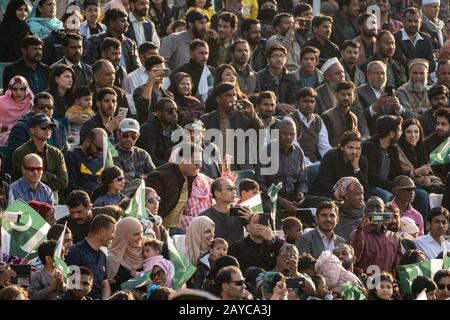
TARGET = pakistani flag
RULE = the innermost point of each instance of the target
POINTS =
(109, 152)
(205, 84)
(446, 261)
(441, 155)
(254, 203)
(407, 273)
(273, 195)
(23, 230)
(140, 280)
(58, 258)
(351, 292)
(184, 270)
(137, 208)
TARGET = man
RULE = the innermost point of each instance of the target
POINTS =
(29, 66)
(275, 77)
(413, 94)
(442, 280)
(85, 163)
(220, 47)
(230, 228)
(155, 133)
(334, 73)
(303, 11)
(117, 26)
(438, 96)
(412, 43)
(80, 215)
(434, 242)
(285, 27)
(374, 99)
(308, 75)
(265, 108)
(321, 28)
(104, 76)
(350, 54)
(106, 101)
(147, 95)
(240, 57)
(251, 31)
(139, 76)
(230, 283)
(197, 68)
(141, 28)
(366, 38)
(387, 21)
(30, 187)
(346, 255)
(340, 119)
(345, 22)
(135, 162)
(111, 50)
(233, 6)
(385, 49)
(87, 253)
(20, 133)
(72, 47)
(322, 238)
(55, 172)
(175, 48)
(312, 132)
(382, 156)
(443, 73)
(343, 161)
(374, 244)
(179, 176)
(431, 24)
(259, 249)
(6, 274)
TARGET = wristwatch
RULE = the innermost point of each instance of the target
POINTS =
(355, 171)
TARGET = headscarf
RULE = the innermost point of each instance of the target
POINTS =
(121, 253)
(165, 265)
(345, 186)
(195, 247)
(267, 281)
(11, 110)
(114, 4)
(42, 27)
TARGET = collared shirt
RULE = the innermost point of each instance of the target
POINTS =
(329, 245)
(134, 163)
(412, 213)
(430, 247)
(175, 49)
(378, 94)
(136, 79)
(21, 190)
(138, 27)
(70, 64)
(405, 37)
(246, 78)
(292, 46)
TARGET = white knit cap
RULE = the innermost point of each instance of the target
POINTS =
(425, 2)
(329, 63)
(408, 225)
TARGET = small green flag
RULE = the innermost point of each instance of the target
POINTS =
(254, 203)
(184, 270)
(109, 152)
(273, 195)
(351, 292)
(446, 261)
(407, 273)
(61, 265)
(140, 280)
(137, 208)
(441, 155)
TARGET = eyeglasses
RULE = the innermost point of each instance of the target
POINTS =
(133, 136)
(409, 189)
(46, 128)
(441, 286)
(34, 168)
(230, 189)
(45, 106)
(158, 274)
(97, 148)
(154, 199)
(119, 179)
(239, 283)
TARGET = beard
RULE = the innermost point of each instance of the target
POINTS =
(418, 86)
(197, 33)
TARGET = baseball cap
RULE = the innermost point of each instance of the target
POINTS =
(129, 124)
(196, 125)
(41, 120)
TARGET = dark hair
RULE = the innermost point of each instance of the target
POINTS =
(146, 46)
(276, 47)
(417, 155)
(437, 89)
(439, 275)
(101, 94)
(442, 112)
(162, 103)
(437, 211)
(224, 276)
(306, 92)
(345, 85)
(40, 3)
(54, 233)
(218, 241)
(413, 11)
(387, 124)
(306, 261)
(265, 95)
(46, 248)
(197, 43)
(218, 79)
(81, 92)
(362, 18)
(77, 197)
(290, 222)
(11, 292)
(109, 174)
(99, 64)
(109, 43)
(42, 95)
(195, 15)
(216, 185)
(153, 60)
(420, 283)
(234, 44)
(385, 276)
(247, 185)
(318, 20)
(29, 41)
(100, 221)
(315, 278)
(70, 36)
(176, 24)
(155, 244)
(222, 262)
(113, 15)
(111, 210)
(229, 17)
(349, 136)
(191, 3)
(279, 17)
(53, 87)
(327, 205)
(247, 23)
(86, 271)
(350, 43)
(300, 8)
(310, 49)
(222, 87)
(87, 3)
(410, 257)
(161, 293)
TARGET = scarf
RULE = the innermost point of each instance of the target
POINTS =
(435, 27)
(195, 247)
(164, 264)
(121, 253)
(42, 27)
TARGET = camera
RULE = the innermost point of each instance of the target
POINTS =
(381, 217)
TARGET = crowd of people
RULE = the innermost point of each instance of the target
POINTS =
(327, 116)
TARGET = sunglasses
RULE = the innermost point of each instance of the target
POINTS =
(442, 286)
(409, 189)
(158, 274)
(46, 128)
(126, 135)
(154, 199)
(44, 106)
(119, 179)
(34, 168)
(239, 283)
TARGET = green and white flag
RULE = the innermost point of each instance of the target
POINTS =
(140, 280)
(184, 270)
(205, 84)
(351, 292)
(254, 203)
(446, 260)
(58, 258)
(407, 273)
(23, 230)
(273, 195)
(441, 155)
(109, 152)
(137, 208)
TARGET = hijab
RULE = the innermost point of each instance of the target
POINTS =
(345, 186)
(195, 247)
(165, 265)
(42, 27)
(121, 253)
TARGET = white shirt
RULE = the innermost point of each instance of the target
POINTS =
(378, 94)
(328, 244)
(430, 247)
(136, 79)
(405, 37)
(138, 27)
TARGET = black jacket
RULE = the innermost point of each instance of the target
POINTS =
(83, 77)
(400, 76)
(148, 30)
(18, 68)
(405, 51)
(144, 107)
(52, 50)
(285, 89)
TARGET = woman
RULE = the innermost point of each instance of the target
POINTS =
(153, 225)
(16, 102)
(12, 30)
(61, 88)
(199, 237)
(385, 288)
(189, 107)
(161, 15)
(204, 6)
(13, 293)
(43, 19)
(224, 73)
(113, 183)
(350, 193)
(162, 272)
(125, 252)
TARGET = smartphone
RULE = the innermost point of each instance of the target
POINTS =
(304, 23)
(381, 217)
(234, 211)
(389, 91)
(264, 219)
(165, 73)
(238, 105)
(123, 112)
(295, 282)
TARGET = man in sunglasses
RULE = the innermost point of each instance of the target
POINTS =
(442, 280)
(55, 172)
(230, 283)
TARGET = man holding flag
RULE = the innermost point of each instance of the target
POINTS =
(438, 144)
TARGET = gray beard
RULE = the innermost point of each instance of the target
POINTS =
(418, 86)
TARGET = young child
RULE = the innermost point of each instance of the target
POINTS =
(152, 250)
(80, 112)
(48, 283)
(219, 248)
(91, 26)
(292, 229)
(79, 291)
(248, 188)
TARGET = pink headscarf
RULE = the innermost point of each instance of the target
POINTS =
(12, 110)
(164, 264)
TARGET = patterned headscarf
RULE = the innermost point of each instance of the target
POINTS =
(267, 281)
(345, 186)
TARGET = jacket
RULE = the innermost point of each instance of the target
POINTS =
(144, 107)
(393, 67)
(338, 35)
(285, 90)
(86, 73)
(204, 268)
(18, 68)
(405, 51)
(86, 33)
(52, 50)
(149, 31)
(311, 243)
